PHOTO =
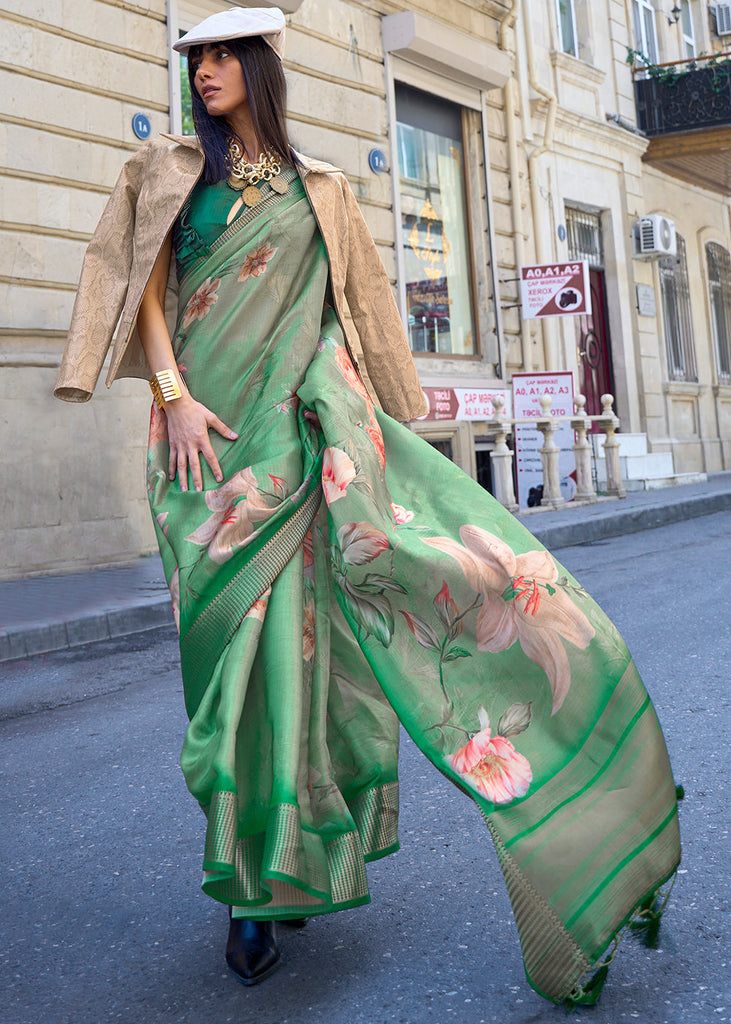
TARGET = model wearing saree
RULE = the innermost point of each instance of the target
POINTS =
(344, 577)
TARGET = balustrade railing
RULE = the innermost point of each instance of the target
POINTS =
(683, 95)
(500, 427)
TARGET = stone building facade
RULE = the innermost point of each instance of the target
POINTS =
(478, 139)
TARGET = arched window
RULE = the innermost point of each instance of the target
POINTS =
(719, 286)
(677, 318)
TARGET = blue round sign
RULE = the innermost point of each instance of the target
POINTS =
(377, 161)
(561, 230)
(141, 126)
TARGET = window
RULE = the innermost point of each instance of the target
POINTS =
(719, 284)
(584, 236)
(643, 16)
(686, 21)
(444, 447)
(677, 319)
(567, 26)
(186, 103)
(435, 226)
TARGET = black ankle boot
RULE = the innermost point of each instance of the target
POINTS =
(251, 951)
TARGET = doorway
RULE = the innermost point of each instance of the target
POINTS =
(593, 343)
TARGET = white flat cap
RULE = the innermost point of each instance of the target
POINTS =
(239, 22)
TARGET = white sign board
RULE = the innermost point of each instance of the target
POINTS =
(527, 391)
(465, 403)
(646, 300)
(555, 289)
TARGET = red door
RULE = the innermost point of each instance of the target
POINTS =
(595, 359)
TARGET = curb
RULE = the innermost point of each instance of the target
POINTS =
(618, 523)
(25, 641)
(154, 612)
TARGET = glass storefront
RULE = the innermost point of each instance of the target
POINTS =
(437, 251)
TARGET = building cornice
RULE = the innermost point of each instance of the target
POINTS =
(592, 128)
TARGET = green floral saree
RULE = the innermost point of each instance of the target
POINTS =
(345, 577)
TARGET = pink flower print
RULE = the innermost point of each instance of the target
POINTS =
(256, 262)
(308, 556)
(345, 365)
(201, 301)
(401, 515)
(236, 505)
(174, 587)
(289, 405)
(279, 486)
(447, 610)
(158, 426)
(492, 766)
(376, 437)
(361, 542)
(422, 631)
(308, 631)
(520, 602)
(259, 607)
(338, 471)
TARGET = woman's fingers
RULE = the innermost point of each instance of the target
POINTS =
(188, 426)
(210, 456)
(313, 418)
(187, 460)
(221, 428)
(182, 470)
(194, 464)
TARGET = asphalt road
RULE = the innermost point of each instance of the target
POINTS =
(102, 919)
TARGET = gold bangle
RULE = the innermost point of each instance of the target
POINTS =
(165, 388)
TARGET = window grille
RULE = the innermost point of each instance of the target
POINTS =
(677, 320)
(443, 446)
(584, 236)
(719, 285)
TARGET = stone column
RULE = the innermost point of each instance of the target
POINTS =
(609, 424)
(549, 457)
(501, 458)
(582, 450)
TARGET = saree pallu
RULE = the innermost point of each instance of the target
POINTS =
(346, 576)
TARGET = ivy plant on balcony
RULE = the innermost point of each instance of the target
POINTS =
(719, 66)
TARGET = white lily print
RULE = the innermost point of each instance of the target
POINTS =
(236, 505)
(521, 601)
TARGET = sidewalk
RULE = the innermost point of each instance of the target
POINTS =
(50, 613)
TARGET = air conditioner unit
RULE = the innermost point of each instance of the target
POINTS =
(723, 19)
(654, 237)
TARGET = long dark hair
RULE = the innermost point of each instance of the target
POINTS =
(266, 89)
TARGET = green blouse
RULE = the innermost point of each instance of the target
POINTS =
(202, 219)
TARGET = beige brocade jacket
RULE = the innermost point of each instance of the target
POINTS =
(150, 192)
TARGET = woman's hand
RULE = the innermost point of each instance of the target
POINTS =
(188, 425)
(188, 421)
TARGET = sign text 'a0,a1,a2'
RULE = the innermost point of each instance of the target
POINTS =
(555, 289)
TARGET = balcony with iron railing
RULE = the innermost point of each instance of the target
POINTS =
(684, 107)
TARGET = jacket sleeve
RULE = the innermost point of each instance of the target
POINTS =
(386, 351)
(102, 287)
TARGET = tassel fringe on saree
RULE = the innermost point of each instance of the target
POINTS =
(345, 577)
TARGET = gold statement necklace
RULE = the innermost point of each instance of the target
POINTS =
(246, 176)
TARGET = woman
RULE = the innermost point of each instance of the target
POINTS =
(321, 593)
